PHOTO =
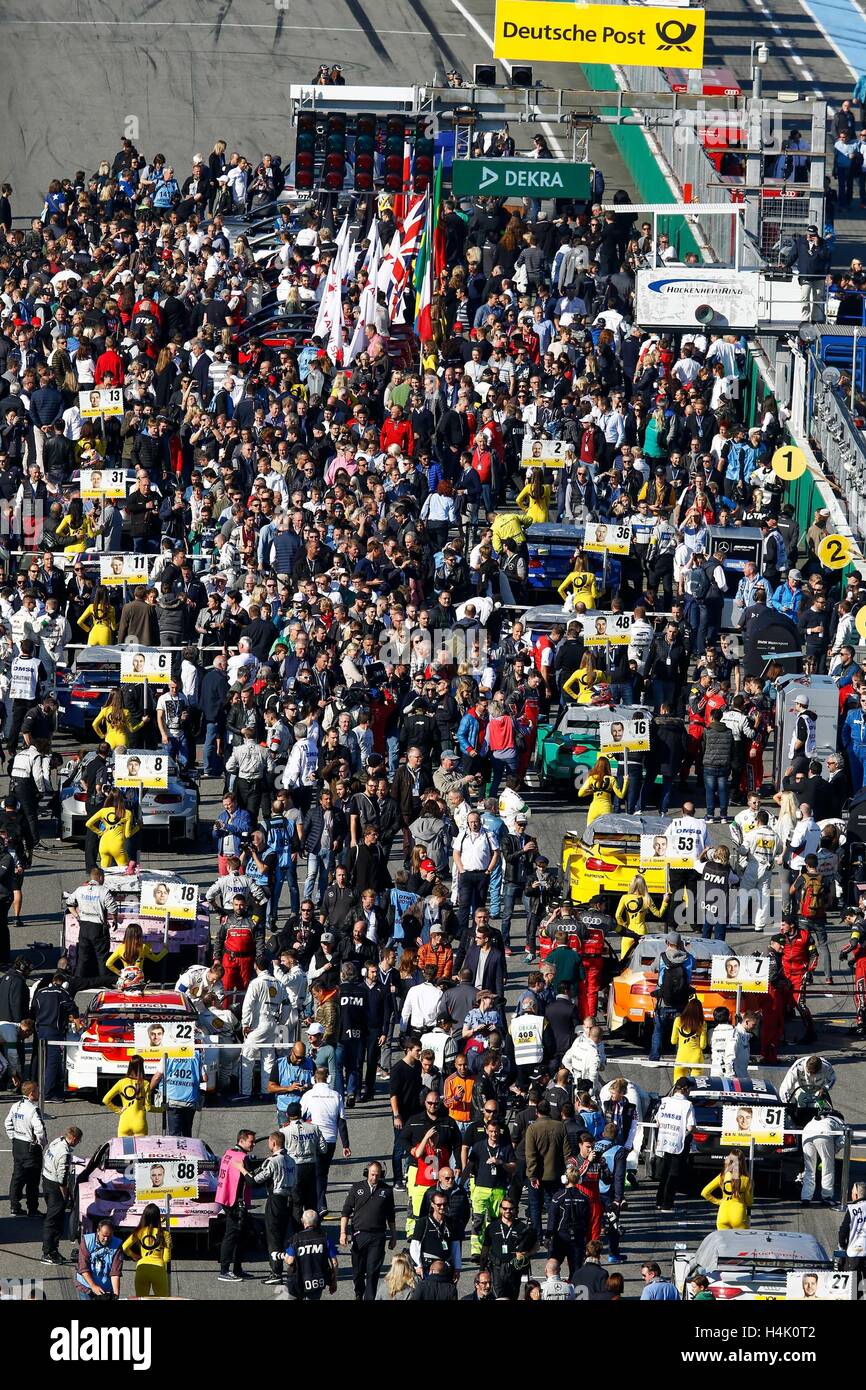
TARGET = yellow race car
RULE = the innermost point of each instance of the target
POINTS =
(605, 857)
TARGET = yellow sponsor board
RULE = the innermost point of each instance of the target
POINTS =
(640, 35)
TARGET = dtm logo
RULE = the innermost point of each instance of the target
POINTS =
(674, 34)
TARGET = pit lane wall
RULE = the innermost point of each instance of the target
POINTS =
(654, 181)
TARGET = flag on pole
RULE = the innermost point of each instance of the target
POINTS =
(425, 263)
(400, 201)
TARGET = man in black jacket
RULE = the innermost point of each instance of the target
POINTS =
(142, 511)
(810, 258)
(369, 1205)
(15, 1001)
(212, 699)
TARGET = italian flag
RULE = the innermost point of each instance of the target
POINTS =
(429, 262)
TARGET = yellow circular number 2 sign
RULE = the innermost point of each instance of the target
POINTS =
(835, 552)
(789, 463)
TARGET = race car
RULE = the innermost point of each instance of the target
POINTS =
(631, 998)
(105, 1044)
(711, 1097)
(171, 810)
(106, 1184)
(605, 857)
(188, 938)
(573, 742)
(550, 548)
(84, 687)
(752, 1264)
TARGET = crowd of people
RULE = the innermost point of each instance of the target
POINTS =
(338, 564)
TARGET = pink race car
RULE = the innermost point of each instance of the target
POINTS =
(106, 1184)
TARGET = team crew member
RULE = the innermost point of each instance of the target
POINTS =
(507, 1249)
(676, 1121)
(238, 944)
(100, 1263)
(852, 1232)
(58, 1186)
(183, 1077)
(265, 1005)
(290, 1077)
(27, 781)
(279, 1173)
(352, 1031)
(369, 1209)
(53, 1010)
(234, 1195)
(95, 906)
(433, 1238)
(311, 1260)
(855, 956)
(149, 1247)
(25, 1127)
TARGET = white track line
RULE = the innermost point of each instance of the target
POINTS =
(482, 34)
(212, 24)
(832, 42)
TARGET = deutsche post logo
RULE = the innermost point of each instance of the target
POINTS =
(672, 33)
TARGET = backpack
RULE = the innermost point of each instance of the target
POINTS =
(698, 582)
(674, 990)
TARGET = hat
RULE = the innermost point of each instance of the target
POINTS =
(315, 1029)
(802, 702)
(427, 866)
(812, 231)
(795, 574)
(521, 817)
(673, 939)
(447, 753)
(436, 929)
(329, 938)
(457, 327)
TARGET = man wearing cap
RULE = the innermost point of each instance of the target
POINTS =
(810, 258)
(446, 778)
(438, 953)
(788, 597)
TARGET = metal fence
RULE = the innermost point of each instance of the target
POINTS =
(840, 445)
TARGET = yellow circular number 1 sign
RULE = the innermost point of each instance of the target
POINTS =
(860, 622)
(835, 552)
(789, 463)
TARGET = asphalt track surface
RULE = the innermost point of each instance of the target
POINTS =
(194, 1274)
(191, 71)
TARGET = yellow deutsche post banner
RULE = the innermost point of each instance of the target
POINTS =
(639, 35)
